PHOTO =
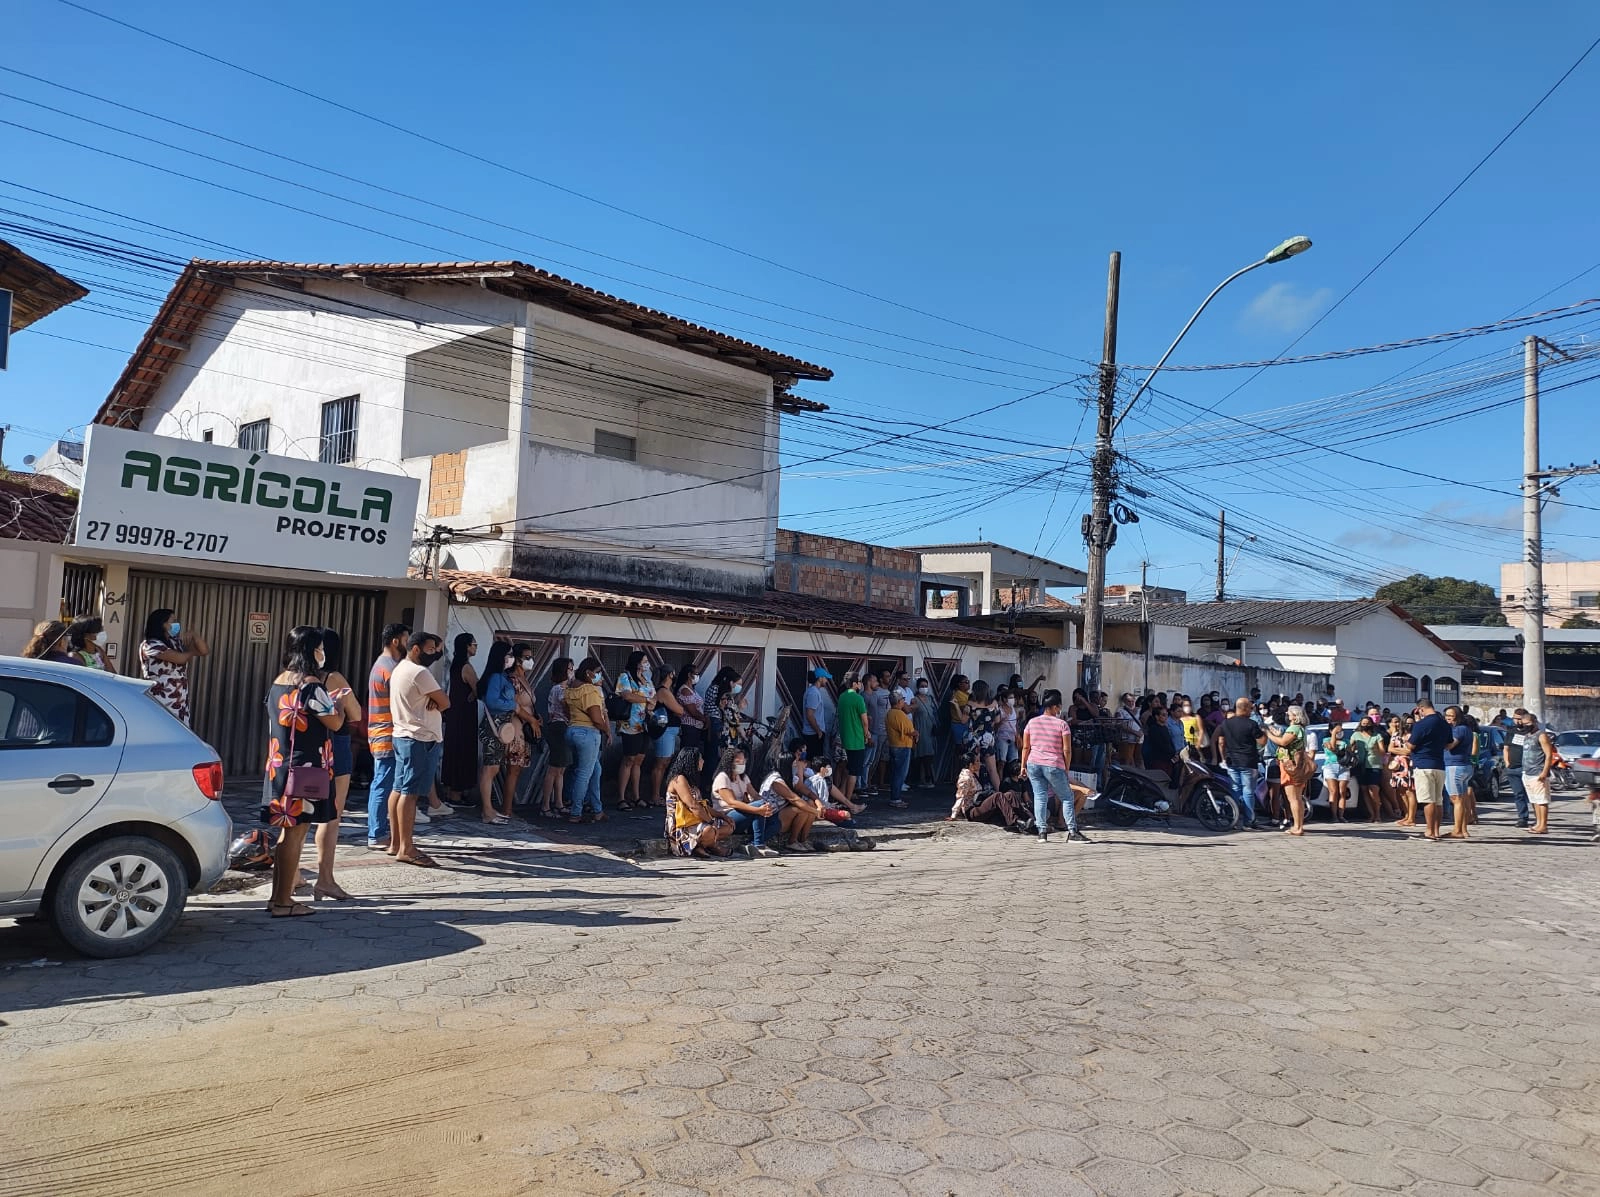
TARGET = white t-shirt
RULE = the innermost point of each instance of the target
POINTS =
(769, 794)
(414, 719)
(741, 787)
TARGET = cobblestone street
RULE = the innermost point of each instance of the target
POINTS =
(1156, 1012)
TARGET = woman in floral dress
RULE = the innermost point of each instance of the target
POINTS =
(303, 714)
(692, 827)
(1400, 780)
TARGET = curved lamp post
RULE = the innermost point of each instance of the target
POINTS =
(1281, 252)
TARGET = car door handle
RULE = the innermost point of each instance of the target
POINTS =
(70, 783)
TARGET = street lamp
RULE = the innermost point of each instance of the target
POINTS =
(1281, 252)
(1103, 470)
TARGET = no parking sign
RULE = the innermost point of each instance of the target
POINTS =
(258, 623)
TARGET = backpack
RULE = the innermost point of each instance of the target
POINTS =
(1348, 757)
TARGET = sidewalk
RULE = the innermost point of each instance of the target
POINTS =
(624, 834)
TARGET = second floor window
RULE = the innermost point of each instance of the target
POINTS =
(338, 444)
(614, 444)
(253, 436)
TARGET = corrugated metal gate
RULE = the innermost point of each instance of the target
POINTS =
(230, 686)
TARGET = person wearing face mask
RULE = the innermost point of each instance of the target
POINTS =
(83, 635)
(330, 661)
(1005, 727)
(925, 718)
(498, 729)
(555, 739)
(297, 790)
(416, 705)
(735, 798)
(458, 768)
(693, 719)
(636, 687)
(164, 655)
(519, 753)
(723, 690)
(588, 733)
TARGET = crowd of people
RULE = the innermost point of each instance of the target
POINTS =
(688, 750)
(1390, 764)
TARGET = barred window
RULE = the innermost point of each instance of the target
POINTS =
(338, 445)
(254, 435)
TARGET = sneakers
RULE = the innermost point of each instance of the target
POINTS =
(766, 851)
(1077, 837)
(422, 818)
(1041, 838)
(899, 805)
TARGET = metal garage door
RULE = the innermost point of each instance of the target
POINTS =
(230, 686)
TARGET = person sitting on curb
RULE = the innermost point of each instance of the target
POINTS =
(837, 809)
(797, 808)
(969, 788)
(733, 796)
(693, 827)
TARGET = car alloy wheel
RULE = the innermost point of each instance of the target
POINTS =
(119, 896)
(123, 896)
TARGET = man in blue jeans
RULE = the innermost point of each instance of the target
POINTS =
(1242, 738)
(380, 733)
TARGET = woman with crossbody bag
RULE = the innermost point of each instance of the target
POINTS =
(498, 728)
(1296, 766)
(297, 791)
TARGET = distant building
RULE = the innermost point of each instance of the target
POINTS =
(1122, 596)
(63, 461)
(1570, 588)
(1370, 650)
(996, 577)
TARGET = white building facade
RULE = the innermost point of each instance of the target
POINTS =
(1369, 650)
(560, 432)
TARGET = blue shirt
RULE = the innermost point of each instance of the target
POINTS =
(501, 696)
(1460, 750)
(817, 710)
(1430, 736)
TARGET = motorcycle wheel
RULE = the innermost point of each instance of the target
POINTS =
(1215, 808)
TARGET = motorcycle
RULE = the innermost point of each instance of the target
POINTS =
(1206, 794)
(1128, 796)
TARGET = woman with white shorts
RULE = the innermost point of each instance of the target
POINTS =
(1335, 772)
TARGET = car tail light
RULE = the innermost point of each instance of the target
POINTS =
(209, 778)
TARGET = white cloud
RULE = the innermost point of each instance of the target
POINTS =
(1284, 308)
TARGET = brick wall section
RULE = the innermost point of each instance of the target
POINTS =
(846, 571)
(446, 481)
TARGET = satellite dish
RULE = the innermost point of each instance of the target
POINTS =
(29, 460)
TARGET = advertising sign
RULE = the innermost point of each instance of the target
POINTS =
(211, 502)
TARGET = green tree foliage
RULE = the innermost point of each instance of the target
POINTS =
(1579, 621)
(1446, 600)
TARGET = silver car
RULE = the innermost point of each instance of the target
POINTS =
(110, 809)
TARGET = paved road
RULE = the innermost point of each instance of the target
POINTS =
(1155, 1013)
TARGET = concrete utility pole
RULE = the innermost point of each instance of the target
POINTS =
(1103, 470)
(1532, 537)
(1222, 554)
(1144, 621)
(1103, 480)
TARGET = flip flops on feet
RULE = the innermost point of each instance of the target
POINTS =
(421, 859)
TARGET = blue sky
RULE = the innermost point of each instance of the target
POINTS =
(973, 164)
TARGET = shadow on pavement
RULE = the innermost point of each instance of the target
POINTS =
(216, 948)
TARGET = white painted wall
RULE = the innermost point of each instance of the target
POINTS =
(522, 389)
(1383, 643)
(1296, 650)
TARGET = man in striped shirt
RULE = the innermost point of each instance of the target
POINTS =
(380, 733)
